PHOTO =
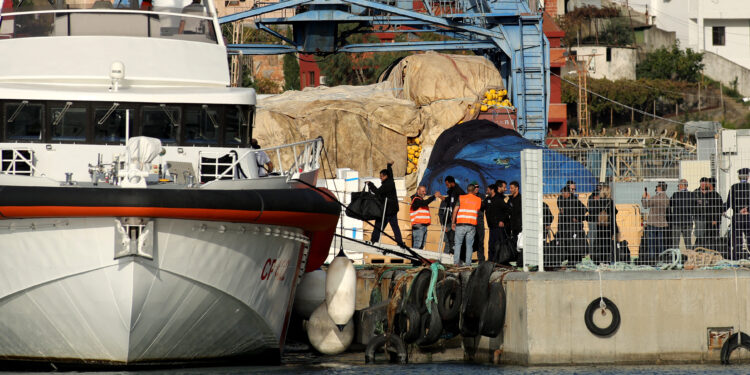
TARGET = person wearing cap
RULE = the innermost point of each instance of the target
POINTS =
(419, 216)
(464, 222)
(739, 201)
(680, 215)
(656, 222)
(571, 215)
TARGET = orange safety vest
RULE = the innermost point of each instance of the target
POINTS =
(468, 207)
(419, 216)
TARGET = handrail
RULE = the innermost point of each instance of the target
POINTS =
(311, 153)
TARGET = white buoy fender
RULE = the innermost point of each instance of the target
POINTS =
(341, 289)
(325, 336)
(311, 292)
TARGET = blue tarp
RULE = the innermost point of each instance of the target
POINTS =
(481, 151)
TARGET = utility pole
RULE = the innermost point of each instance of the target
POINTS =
(582, 70)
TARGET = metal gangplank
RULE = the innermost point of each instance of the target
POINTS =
(507, 32)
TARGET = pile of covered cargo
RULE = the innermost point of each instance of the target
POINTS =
(365, 126)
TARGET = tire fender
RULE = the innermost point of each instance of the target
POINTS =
(475, 296)
(409, 323)
(432, 327)
(448, 294)
(494, 314)
(594, 308)
(390, 344)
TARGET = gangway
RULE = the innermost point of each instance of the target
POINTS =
(507, 32)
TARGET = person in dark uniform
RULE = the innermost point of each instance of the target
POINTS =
(386, 193)
(570, 219)
(602, 211)
(515, 216)
(478, 246)
(709, 207)
(497, 214)
(739, 201)
(445, 212)
(680, 215)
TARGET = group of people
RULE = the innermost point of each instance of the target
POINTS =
(462, 218)
(697, 214)
(690, 217)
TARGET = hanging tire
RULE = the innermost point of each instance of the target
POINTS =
(589, 318)
(731, 345)
(475, 298)
(432, 327)
(388, 344)
(448, 294)
(418, 290)
(409, 323)
(494, 315)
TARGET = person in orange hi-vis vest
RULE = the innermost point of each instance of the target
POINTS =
(419, 215)
(464, 224)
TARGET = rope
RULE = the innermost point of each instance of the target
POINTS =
(434, 267)
(739, 306)
(618, 103)
(602, 305)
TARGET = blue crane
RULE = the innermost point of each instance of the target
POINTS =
(506, 32)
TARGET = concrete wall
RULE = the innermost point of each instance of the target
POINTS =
(720, 68)
(664, 316)
(736, 46)
(654, 38)
(620, 66)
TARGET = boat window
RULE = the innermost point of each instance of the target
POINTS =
(24, 121)
(68, 123)
(109, 125)
(161, 122)
(201, 125)
(236, 120)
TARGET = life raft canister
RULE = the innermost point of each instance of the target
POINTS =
(468, 207)
(420, 215)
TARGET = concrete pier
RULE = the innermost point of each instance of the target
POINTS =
(666, 316)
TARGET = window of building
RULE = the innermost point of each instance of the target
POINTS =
(718, 35)
(311, 78)
(24, 121)
(609, 54)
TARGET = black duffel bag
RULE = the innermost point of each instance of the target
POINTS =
(365, 206)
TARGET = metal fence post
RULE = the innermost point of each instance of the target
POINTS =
(532, 190)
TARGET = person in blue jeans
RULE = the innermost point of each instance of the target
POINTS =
(419, 215)
(464, 224)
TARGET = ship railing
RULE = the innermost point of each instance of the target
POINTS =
(299, 158)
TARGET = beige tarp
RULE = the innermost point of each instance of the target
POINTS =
(365, 126)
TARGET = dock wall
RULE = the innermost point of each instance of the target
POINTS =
(665, 316)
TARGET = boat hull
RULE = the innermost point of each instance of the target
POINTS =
(212, 290)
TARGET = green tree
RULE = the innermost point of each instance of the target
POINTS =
(291, 72)
(671, 63)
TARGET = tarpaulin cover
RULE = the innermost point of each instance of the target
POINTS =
(481, 151)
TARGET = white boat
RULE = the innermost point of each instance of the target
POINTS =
(133, 225)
